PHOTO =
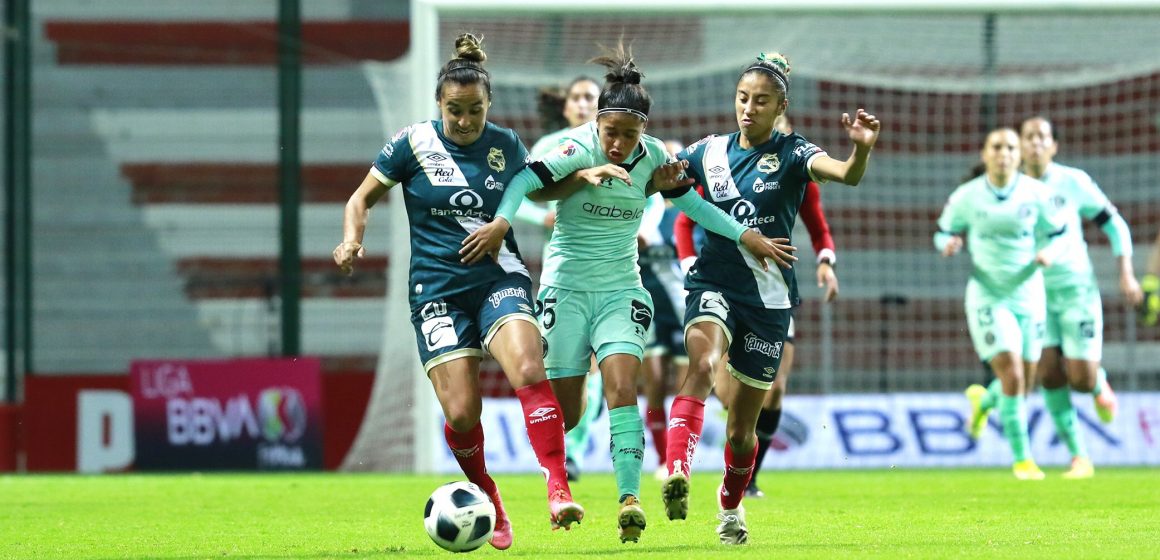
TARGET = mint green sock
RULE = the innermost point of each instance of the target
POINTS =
(1013, 414)
(576, 441)
(627, 431)
(1101, 379)
(994, 390)
(1058, 403)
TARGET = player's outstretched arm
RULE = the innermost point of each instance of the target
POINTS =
(863, 130)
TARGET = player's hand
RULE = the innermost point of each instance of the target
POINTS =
(550, 219)
(1130, 288)
(671, 175)
(345, 254)
(1043, 259)
(953, 246)
(596, 176)
(485, 241)
(778, 249)
(863, 128)
(828, 279)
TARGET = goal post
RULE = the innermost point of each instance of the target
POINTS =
(937, 73)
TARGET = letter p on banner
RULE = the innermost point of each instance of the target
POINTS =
(104, 431)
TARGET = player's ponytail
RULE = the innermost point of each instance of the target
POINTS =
(467, 66)
(776, 66)
(622, 92)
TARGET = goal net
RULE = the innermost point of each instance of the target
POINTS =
(938, 77)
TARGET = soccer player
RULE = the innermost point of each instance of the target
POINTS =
(1073, 341)
(1150, 306)
(1011, 228)
(576, 107)
(449, 169)
(758, 175)
(661, 275)
(591, 298)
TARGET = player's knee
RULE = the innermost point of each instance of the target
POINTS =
(527, 372)
(462, 420)
(740, 438)
(620, 392)
(1083, 381)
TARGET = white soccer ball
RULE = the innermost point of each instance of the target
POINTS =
(459, 516)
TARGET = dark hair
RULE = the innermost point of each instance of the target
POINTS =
(550, 106)
(776, 66)
(975, 171)
(622, 89)
(1036, 117)
(467, 66)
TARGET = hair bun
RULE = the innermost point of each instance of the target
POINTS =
(777, 60)
(469, 47)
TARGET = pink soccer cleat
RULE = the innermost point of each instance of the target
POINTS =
(501, 536)
(565, 512)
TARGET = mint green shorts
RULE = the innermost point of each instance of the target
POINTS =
(999, 325)
(1075, 322)
(577, 324)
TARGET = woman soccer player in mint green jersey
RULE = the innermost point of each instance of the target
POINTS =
(736, 307)
(1012, 230)
(591, 298)
(1075, 322)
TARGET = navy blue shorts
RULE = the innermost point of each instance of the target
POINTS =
(463, 324)
(756, 335)
(666, 336)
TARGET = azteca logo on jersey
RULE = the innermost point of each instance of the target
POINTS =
(465, 203)
(745, 212)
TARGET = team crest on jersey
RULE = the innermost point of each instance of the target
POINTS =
(567, 149)
(495, 160)
(769, 163)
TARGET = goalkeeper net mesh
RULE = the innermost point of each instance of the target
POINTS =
(938, 82)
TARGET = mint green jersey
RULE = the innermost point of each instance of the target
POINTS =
(548, 142)
(1077, 198)
(1004, 228)
(593, 245)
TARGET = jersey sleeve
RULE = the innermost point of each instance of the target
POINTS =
(570, 156)
(393, 163)
(803, 156)
(1090, 200)
(815, 220)
(951, 222)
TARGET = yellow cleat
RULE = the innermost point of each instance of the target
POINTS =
(631, 519)
(1081, 467)
(975, 394)
(1028, 470)
(1106, 403)
(1150, 308)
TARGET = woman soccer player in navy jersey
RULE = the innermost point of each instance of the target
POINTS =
(758, 175)
(453, 171)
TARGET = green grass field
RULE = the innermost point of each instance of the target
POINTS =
(845, 514)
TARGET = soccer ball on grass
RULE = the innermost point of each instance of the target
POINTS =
(459, 516)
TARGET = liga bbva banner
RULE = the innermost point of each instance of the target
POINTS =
(238, 414)
(862, 431)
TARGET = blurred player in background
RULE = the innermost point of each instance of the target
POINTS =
(1150, 306)
(1073, 344)
(591, 297)
(735, 306)
(460, 310)
(562, 113)
(1011, 228)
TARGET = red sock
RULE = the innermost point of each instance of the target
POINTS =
(468, 450)
(656, 424)
(545, 424)
(685, 421)
(738, 470)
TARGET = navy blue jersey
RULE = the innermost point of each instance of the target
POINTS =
(451, 191)
(762, 188)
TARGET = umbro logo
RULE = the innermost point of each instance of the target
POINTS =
(716, 170)
(677, 423)
(436, 157)
(542, 414)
